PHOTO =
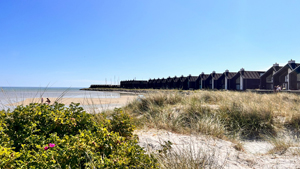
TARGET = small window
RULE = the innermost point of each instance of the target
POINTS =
(298, 77)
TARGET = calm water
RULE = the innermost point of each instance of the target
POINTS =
(16, 94)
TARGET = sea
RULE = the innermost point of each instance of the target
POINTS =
(16, 94)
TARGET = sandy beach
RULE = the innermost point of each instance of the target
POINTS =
(123, 100)
(221, 152)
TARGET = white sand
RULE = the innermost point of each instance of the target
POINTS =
(223, 152)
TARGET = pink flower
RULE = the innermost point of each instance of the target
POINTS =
(51, 145)
(46, 148)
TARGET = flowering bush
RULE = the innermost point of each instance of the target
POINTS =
(55, 136)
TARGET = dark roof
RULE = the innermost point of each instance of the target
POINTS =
(252, 74)
(296, 65)
(129, 81)
(273, 68)
(297, 69)
(157, 80)
(218, 75)
(205, 76)
(276, 68)
(160, 80)
(182, 79)
(176, 79)
(288, 65)
(193, 78)
(231, 74)
(169, 80)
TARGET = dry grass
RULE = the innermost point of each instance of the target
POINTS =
(286, 141)
(222, 114)
(239, 146)
(218, 113)
(280, 145)
(189, 159)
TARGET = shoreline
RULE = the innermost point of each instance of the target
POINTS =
(123, 100)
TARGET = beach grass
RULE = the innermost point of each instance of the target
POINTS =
(188, 157)
(222, 114)
(228, 115)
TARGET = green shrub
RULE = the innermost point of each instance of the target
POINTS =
(122, 123)
(43, 120)
(44, 136)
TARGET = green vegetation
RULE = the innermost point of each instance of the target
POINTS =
(222, 114)
(56, 136)
(43, 136)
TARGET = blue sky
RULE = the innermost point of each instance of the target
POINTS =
(74, 43)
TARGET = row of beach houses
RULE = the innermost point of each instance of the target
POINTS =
(287, 76)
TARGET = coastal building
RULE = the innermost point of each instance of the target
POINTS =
(169, 83)
(158, 83)
(192, 82)
(243, 80)
(104, 86)
(295, 79)
(203, 84)
(211, 81)
(134, 84)
(216, 80)
(281, 77)
(154, 83)
(287, 76)
(266, 80)
(198, 82)
(184, 82)
(150, 83)
(164, 83)
(176, 83)
(225, 80)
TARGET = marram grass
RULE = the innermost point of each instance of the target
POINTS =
(221, 114)
(218, 113)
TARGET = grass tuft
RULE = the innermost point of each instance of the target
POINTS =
(218, 113)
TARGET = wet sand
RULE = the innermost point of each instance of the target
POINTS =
(123, 100)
